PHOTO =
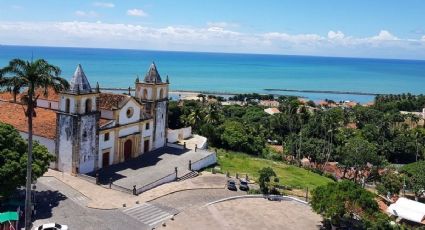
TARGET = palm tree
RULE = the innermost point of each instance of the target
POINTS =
(32, 75)
(212, 113)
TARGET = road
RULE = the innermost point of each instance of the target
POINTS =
(60, 203)
(57, 202)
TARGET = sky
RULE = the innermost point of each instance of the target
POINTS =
(347, 28)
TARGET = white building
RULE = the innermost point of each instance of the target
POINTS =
(88, 130)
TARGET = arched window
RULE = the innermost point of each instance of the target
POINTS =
(161, 93)
(145, 94)
(88, 106)
(67, 105)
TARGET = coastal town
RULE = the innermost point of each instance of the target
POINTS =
(158, 164)
(214, 115)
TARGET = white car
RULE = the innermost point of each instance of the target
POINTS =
(52, 226)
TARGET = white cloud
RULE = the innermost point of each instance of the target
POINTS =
(384, 35)
(104, 4)
(137, 13)
(208, 38)
(335, 35)
(222, 24)
(91, 13)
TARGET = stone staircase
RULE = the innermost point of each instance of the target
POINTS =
(188, 175)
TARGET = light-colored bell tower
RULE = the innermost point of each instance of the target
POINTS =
(77, 121)
(153, 93)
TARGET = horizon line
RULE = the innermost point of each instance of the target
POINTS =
(214, 52)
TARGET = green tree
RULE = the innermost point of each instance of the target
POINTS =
(416, 176)
(342, 201)
(390, 183)
(13, 158)
(357, 152)
(264, 179)
(32, 75)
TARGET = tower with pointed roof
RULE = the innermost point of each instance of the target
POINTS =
(77, 126)
(153, 93)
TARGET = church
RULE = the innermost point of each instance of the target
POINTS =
(87, 129)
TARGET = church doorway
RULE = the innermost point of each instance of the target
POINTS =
(105, 160)
(128, 146)
(146, 144)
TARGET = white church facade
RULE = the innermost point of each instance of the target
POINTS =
(87, 129)
(95, 130)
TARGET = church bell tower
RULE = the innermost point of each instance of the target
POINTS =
(77, 138)
(153, 93)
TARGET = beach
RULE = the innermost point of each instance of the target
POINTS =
(314, 78)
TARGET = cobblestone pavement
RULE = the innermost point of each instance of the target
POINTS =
(57, 202)
(194, 198)
(246, 214)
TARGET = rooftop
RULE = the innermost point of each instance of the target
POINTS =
(44, 124)
(79, 82)
(152, 76)
(110, 101)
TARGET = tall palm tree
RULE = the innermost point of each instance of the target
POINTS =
(32, 75)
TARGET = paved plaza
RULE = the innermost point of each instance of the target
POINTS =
(150, 167)
(249, 213)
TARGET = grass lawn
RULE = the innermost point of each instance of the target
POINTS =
(235, 162)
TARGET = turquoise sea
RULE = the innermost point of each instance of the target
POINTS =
(236, 73)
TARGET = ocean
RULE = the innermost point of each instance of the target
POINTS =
(236, 73)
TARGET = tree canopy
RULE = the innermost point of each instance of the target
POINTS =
(13, 159)
(345, 201)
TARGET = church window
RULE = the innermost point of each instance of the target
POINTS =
(67, 105)
(161, 94)
(130, 112)
(88, 106)
(106, 137)
(145, 94)
(147, 126)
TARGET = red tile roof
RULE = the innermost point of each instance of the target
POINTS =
(44, 124)
(51, 94)
(111, 101)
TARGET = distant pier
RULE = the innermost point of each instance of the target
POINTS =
(323, 91)
(268, 90)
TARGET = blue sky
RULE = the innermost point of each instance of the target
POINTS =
(356, 28)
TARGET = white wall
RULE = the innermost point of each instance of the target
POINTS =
(147, 132)
(65, 141)
(82, 106)
(123, 119)
(45, 104)
(174, 134)
(110, 144)
(187, 132)
(49, 143)
(107, 114)
(88, 148)
(139, 93)
(62, 103)
(128, 130)
(161, 117)
(205, 162)
(166, 179)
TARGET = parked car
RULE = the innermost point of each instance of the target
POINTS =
(243, 185)
(52, 226)
(231, 185)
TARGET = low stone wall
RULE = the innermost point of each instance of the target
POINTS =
(177, 146)
(174, 135)
(169, 178)
(205, 162)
